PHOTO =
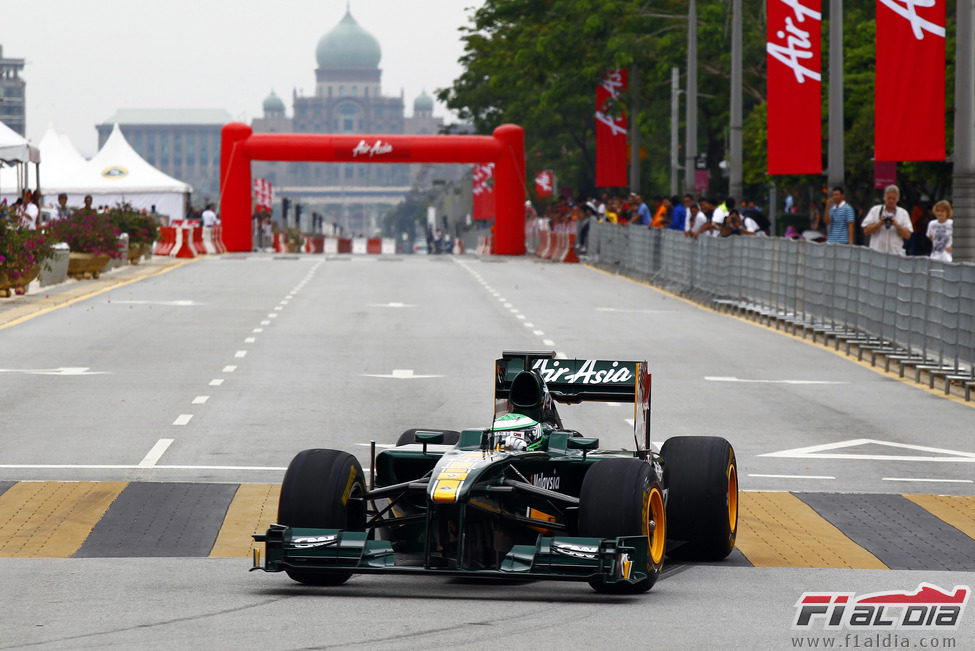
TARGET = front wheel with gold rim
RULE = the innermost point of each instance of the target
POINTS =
(623, 497)
(701, 476)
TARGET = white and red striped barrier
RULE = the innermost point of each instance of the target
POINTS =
(167, 240)
(484, 245)
(184, 247)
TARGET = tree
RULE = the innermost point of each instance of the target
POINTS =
(537, 63)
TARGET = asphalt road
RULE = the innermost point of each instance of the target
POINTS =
(219, 371)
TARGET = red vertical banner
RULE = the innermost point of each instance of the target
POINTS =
(909, 120)
(610, 132)
(262, 194)
(483, 191)
(544, 183)
(793, 50)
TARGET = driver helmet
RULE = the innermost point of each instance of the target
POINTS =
(517, 432)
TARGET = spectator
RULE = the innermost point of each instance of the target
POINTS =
(918, 244)
(790, 202)
(733, 225)
(754, 220)
(62, 210)
(661, 212)
(940, 232)
(720, 212)
(708, 227)
(696, 220)
(817, 225)
(887, 224)
(87, 209)
(839, 219)
(678, 214)
(29, 211)
(208, 216)
(642, 215)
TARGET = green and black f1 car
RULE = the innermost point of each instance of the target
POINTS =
(525, 498)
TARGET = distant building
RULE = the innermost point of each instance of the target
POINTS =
(183, 143)
(13, 108)
(348, 99)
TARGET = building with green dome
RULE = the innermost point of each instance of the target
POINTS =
(348, 98)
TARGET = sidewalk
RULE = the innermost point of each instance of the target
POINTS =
(40, 300)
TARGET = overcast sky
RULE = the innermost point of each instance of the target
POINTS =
(85, 58)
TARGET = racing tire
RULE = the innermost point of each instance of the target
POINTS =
(620, 497)
(701, 476)
(315, 493)
(450, 437)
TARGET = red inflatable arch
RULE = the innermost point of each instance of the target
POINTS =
(505, 148)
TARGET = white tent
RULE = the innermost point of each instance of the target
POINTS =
(16, 154)
(117, 173)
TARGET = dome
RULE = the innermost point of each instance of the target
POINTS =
(273, 103)
(348, 46)
(423, 103)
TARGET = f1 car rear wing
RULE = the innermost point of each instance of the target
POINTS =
(580, 380)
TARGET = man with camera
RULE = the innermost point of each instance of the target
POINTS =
(887, 224)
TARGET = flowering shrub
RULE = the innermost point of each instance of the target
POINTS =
(87, 231)
(21, 249)
(141, 227)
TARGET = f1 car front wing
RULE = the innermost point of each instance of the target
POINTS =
(559, 558)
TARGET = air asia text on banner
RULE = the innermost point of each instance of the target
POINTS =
(483, 191)
(610, 132)
(793, 50)
(910, 85)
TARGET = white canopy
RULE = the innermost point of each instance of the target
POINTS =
(16, 156)
(14, 148)
(115, 174)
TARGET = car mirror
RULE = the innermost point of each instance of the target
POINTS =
(428, 437)
(583, 443)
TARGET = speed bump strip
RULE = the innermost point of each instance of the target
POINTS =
(780, 530)
(956, 510)
(253, 509)
(151, 519)
(52, 519)
(897, 531)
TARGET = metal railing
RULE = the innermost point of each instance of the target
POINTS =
(917, 311)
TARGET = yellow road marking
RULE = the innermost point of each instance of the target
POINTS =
(52, 519)
(780, 530)
(16, 314)
(253, 509)
(956, 510)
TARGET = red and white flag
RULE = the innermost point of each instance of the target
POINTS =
(610, 132)
(909, 104)
(544, 184)
(483, 191)
(262, 194)
(793, 49)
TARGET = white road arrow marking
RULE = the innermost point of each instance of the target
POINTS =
(61, 370)
(171, 303)
(713, 378)
(631, 311)
(402, 374)
(825, 452)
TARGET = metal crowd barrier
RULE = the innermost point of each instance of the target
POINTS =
(913, 312)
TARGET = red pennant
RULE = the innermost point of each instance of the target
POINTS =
(909, 121)
(793, 57)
